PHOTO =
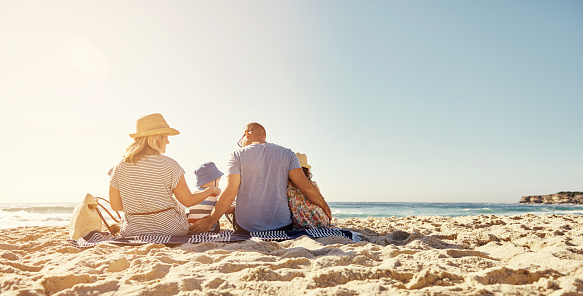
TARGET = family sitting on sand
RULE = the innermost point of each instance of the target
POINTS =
(270, 185)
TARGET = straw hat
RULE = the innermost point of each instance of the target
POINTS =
(153, 124)
(303, 160)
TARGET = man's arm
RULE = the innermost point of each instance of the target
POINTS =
(223, 204)
(298, 177)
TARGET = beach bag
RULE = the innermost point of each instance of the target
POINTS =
(87, 217)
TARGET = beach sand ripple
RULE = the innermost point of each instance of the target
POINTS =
(470, 255)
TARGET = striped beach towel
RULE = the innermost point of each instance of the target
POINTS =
(95, 238)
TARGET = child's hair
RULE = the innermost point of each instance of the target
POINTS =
(307, 173)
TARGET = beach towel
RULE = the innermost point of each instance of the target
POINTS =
(95, 238)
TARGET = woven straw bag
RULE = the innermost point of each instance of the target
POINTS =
(87, 217)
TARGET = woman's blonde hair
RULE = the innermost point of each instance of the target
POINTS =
(142, 146)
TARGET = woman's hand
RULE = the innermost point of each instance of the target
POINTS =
(188, 199)
(215, 191)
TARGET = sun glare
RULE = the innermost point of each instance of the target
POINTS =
(85, 55)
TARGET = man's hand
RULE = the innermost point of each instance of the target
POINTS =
(223, 205)
(203, 225)
(327, 211)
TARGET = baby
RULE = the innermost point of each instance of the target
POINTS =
(207, 175)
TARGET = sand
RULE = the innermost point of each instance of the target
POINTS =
(472, 255)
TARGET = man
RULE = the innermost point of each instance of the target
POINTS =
(257, 175)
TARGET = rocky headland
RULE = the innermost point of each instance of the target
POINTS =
(557, 198)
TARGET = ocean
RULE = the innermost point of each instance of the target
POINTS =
(51, 214)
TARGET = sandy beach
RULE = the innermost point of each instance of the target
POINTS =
(470, 255)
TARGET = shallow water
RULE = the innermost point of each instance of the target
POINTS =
(402, 209)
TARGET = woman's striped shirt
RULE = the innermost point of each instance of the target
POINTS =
(146, 187)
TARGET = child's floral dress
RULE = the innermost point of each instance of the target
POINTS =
(305, 214)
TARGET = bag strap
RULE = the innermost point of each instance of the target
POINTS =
(103, 207)
(108, 212)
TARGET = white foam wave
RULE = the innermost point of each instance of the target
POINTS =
(22, 218)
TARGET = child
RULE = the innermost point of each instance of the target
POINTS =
(305, 214)
(207, 175)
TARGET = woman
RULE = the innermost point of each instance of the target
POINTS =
(143, 182)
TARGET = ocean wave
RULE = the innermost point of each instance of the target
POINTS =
(18, 219)
(15, 215)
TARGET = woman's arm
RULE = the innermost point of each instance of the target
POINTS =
(115, 199)
(188, 199)
(298, 177)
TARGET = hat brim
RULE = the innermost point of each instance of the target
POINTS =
(167, 130)
(216, 175)
(307, 166)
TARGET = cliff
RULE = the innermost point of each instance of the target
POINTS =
(557, 198)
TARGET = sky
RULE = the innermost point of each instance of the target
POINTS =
(391, 101)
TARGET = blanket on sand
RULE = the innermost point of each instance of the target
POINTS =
(95, 238)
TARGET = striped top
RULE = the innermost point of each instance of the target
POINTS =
(204, 208)
(146, 187)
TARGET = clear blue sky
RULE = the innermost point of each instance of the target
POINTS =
(448, 101)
